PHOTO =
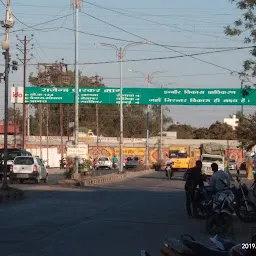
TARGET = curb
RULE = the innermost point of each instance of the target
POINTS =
(10, 194)
(109, 178)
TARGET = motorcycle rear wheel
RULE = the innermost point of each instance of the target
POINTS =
(254, 190)
(219, 223)
(247, 215)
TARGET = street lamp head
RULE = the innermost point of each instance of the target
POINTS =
(98, 44)
(5, 44)
(130, 70)
(145, 42)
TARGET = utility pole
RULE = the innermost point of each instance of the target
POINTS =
(47, 133)
(242, 106)
(148, 80)
(7, 24)
(120, 52)
(40, 112)
(14, 121)
(76, 5)
(97, 127)
(24, 50)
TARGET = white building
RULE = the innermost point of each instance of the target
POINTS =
(233, 122)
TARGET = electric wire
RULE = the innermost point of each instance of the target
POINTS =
(162, 24)
(186, 55)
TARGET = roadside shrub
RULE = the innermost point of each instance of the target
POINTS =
(141, 167)
(158, 165)
(69, 172)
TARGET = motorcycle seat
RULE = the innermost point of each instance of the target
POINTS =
(175, 247)
(201, 249)
(223, 243)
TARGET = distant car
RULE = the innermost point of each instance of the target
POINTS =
(104, 162)
(232, 164)
(11, 154)
(28, 168)
(132, 163)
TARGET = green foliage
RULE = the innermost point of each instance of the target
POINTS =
(246, 131)
(140, 167)
(218, 131)
(70, 170)
(109, 115)
(184, 131)
(245, 25)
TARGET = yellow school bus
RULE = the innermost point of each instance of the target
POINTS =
(183, 157)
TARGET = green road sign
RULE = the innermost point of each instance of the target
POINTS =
(141, 96)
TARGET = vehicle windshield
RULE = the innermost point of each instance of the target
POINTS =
(232, 161)
(177, 154)
(103, 159)
(24, 161)
(211, 159)
(11, 154)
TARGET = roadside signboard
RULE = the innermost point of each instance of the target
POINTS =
(80, 151)
(141, 96)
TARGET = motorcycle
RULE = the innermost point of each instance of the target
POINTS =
(245, 208)
(114, 165)
(188, 246)
(254, 184)
(220, 221)
(168, 170)
(203, 202)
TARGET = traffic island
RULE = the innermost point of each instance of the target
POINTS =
(100, 180)
(10, 194)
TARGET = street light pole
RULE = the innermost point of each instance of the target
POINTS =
(7, 24)
(120, 52)
(148, 81)
(121, 146)
(77, 5)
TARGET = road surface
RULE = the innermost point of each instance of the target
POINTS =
(119, 219)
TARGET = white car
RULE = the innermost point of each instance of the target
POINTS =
(28, 168)
(104, 162)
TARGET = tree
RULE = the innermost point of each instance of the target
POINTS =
(221, 131)
(245, 25)
(184, 131)
(201, 133)
(246, 131)
(109, 115)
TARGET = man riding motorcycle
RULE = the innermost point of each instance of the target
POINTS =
(220, 180)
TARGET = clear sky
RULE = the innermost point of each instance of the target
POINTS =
(181, 24)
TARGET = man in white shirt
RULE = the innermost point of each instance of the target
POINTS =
(219, 180)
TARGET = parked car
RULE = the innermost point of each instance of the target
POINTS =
(132, 163)
(28, 168)
(104, 162)
(232, 165)
(11, 154)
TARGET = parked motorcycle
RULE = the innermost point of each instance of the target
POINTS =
(245, 208)
(221, 219)
(203, 202)
(114, 165)
(254, 185)
(188, 246)
(168, 170)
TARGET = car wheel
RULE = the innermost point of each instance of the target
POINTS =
(37, 180)
(21, 181)
(46, 178)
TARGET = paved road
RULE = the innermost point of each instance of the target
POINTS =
(119, 219)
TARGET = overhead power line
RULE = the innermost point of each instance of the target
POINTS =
(162, 58)
(36, 25)
(155, 22)
(166, 47)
